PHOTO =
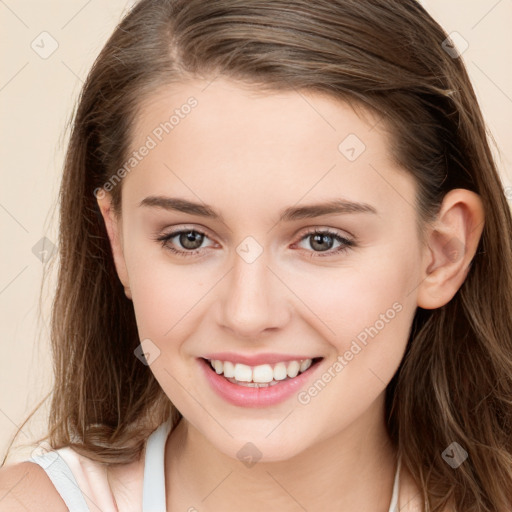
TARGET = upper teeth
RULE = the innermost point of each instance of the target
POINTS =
(262, 373)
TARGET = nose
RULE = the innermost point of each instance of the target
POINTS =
(253, 301)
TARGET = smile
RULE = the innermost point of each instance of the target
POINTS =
(262, 375)
(262, 385)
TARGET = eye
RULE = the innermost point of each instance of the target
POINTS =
(189, 239)
(321, 241)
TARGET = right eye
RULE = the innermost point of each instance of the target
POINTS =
(189, 239)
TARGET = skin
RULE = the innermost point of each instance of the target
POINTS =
(249, 155)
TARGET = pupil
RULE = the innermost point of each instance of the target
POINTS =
(321, 240)
(189, 239)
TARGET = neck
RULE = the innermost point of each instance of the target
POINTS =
(353, 470)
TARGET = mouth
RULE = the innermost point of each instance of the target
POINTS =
(263, 375)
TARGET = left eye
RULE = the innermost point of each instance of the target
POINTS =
(191, 240)
(318, 239)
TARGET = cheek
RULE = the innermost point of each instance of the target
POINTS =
(368, 311)
(363, 289)
(364, 310)
(164, 293)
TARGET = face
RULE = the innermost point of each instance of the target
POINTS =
(254, 283)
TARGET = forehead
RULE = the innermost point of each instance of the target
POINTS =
(223, 139)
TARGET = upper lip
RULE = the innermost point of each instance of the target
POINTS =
(256, 359)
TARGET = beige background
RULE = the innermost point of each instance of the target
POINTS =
(36, 99)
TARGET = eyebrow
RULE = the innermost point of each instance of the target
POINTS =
(335, 206)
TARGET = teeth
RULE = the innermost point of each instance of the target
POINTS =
(280, 371)
(293, 369)
(243, 373)
(264, 374)
(229, 369)
(305, 365)
(218, 366)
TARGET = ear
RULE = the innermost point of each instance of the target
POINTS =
(113, 225)
(451, 244)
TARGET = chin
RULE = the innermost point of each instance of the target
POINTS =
(256, 449)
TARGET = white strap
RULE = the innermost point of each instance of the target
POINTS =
(393, 507)
(63, 480)
(153, 492)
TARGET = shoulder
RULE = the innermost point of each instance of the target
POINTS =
(26, 486)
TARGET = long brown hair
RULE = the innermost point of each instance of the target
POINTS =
(455, 381)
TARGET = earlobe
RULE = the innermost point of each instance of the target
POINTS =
(113, 226)
(451, 245)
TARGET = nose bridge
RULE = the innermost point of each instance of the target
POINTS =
(253, 300)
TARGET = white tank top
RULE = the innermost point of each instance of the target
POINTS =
(72, 479)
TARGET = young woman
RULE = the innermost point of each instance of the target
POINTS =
(285, 271)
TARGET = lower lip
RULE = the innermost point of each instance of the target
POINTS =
(245, 396)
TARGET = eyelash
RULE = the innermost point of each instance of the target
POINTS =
(346, 243)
